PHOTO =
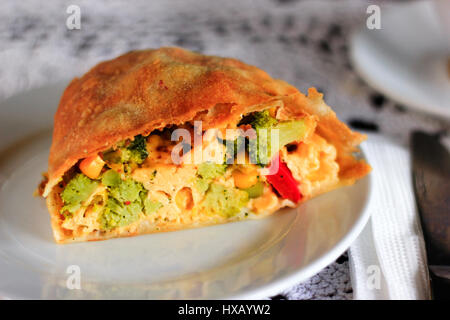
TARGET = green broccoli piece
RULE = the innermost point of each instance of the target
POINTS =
(220, 200)
(207, 172)
(137, 150)
(202, 185)
(259, 148)
(211, 170)
(126, 200)
(288, 131)
(131, 154)
(76, 192)
(263, 119)
(111, 178)
(116, 214)
(151, 206)
(127, 191)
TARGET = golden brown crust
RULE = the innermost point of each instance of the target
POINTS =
(141, 91)
(144, 90)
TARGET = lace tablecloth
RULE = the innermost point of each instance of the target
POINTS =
(302, 42)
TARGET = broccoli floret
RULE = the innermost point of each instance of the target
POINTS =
(138, 149)
(76, 192)
(151, 206)
(135, 152)
(207, 172)
(210, 170)
(111, 178)
(202, 185)
(129, 154)
(259, 149)
(263, 119)
(220, 200)
(127, 191)
(126, 200)
(116, 214)
(288, 131)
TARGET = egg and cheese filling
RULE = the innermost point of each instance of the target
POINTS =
(137, 180)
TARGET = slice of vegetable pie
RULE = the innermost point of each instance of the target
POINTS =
(167, 139)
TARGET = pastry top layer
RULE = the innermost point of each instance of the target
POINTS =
(141, 91)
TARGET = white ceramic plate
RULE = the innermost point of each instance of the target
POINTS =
(407, 59)
(251, 259)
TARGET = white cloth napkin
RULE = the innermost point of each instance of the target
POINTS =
(388, 260)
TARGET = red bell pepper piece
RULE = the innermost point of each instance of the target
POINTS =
(284, 182)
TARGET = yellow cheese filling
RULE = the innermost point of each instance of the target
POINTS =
(312, 163)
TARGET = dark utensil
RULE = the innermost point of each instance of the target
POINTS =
(431, 175)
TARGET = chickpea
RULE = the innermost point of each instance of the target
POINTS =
(244, 180)
(184, 199)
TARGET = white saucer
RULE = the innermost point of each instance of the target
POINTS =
(407, 58)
